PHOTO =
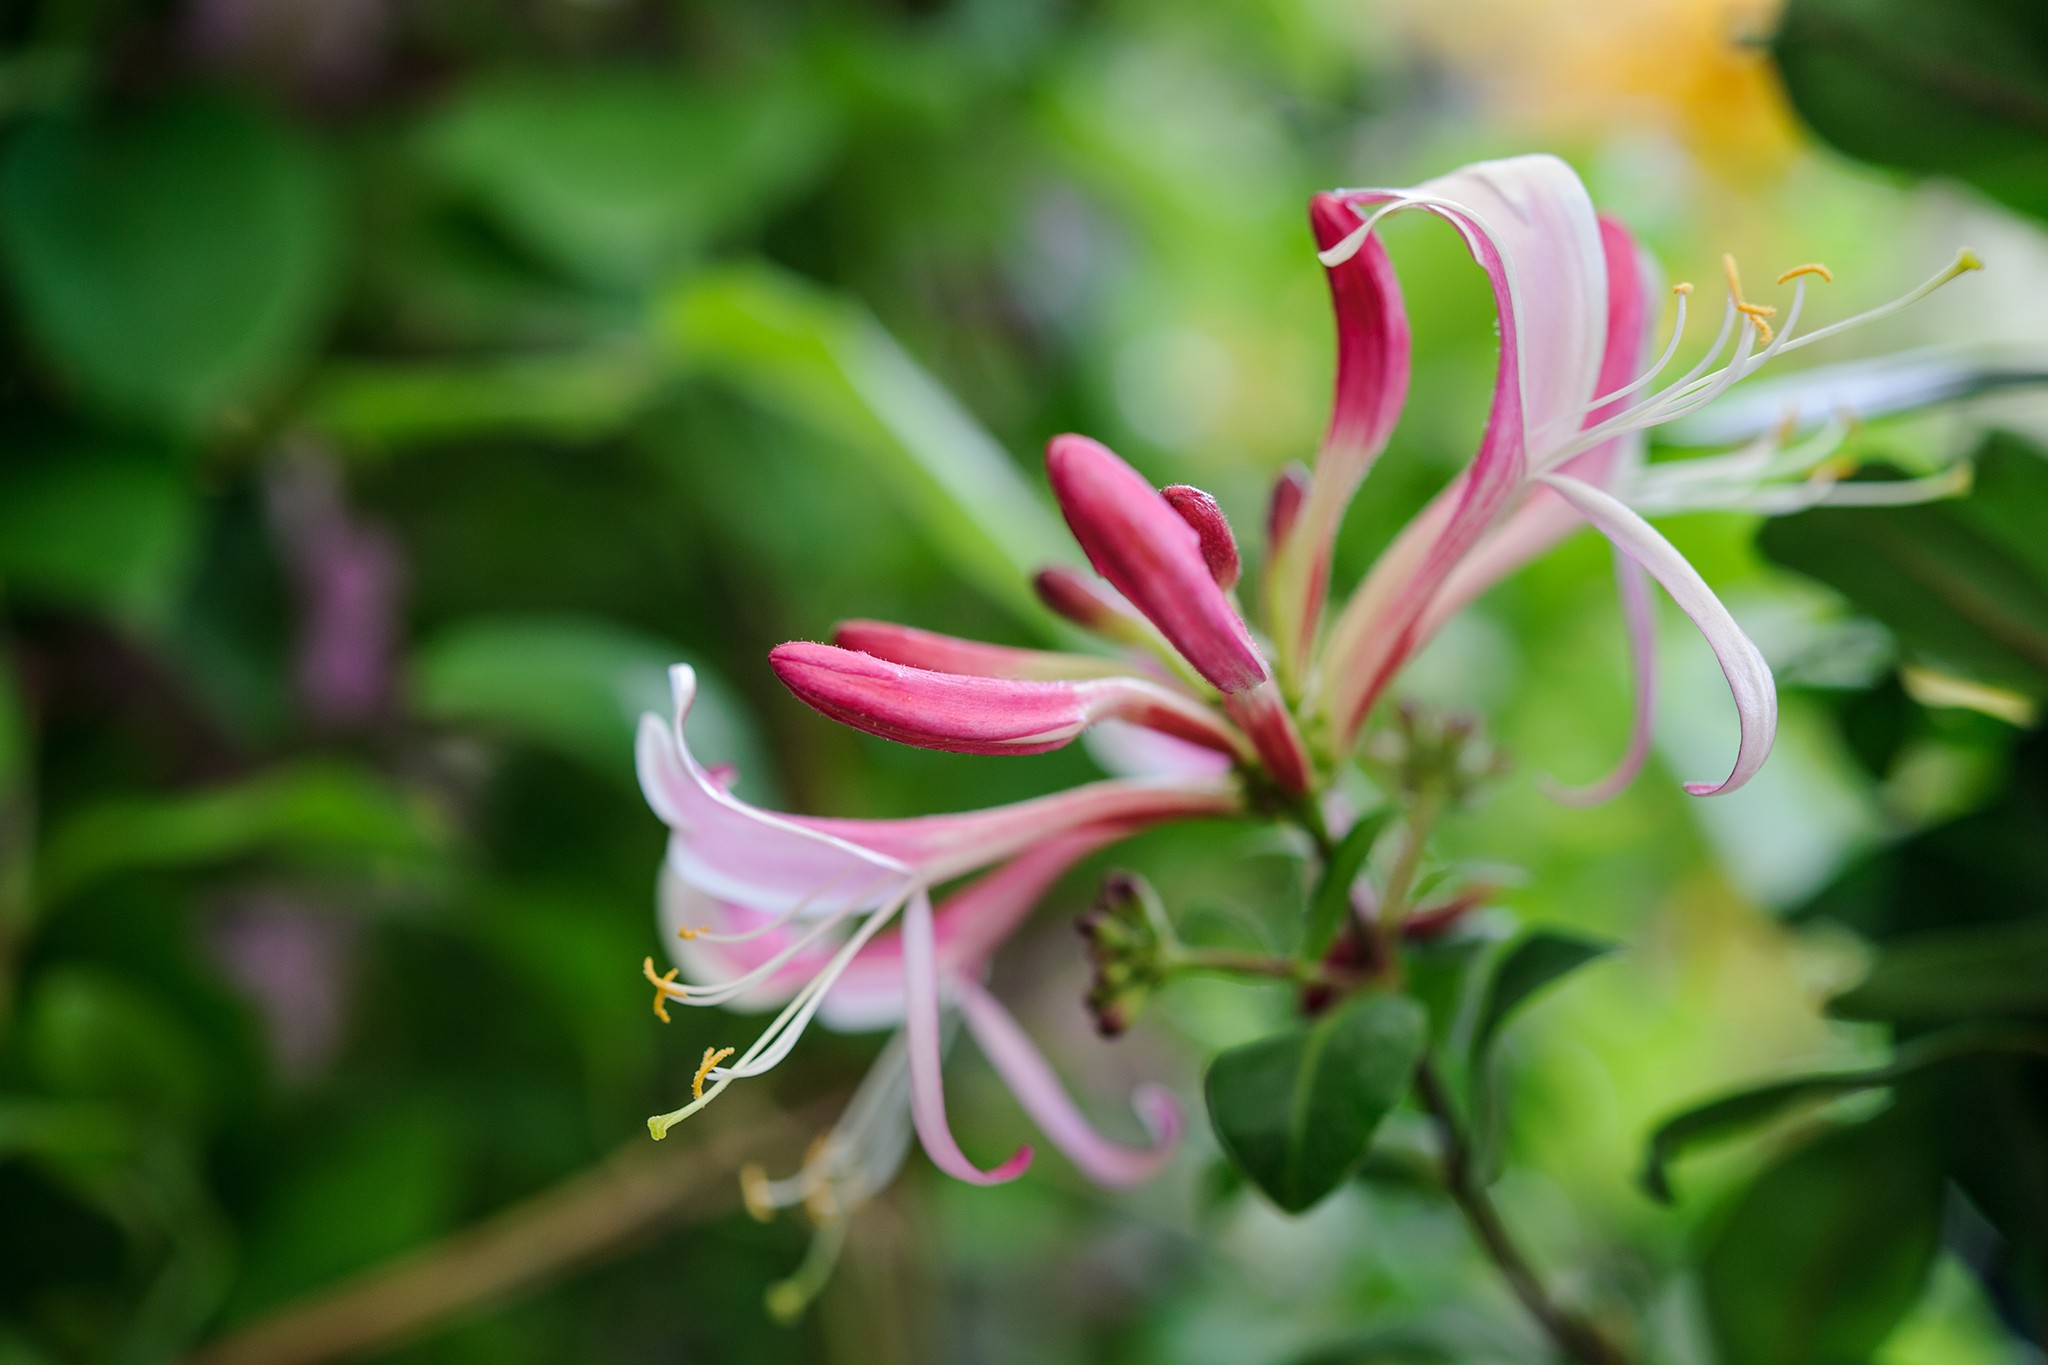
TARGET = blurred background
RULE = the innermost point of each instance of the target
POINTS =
(390, 390)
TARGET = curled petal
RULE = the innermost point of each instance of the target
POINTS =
(950, 654)
(1136, 540)
(1032, 1080)
(1640, 621)
(1219, 546)
(960, 713)
(1749, 677)
(921, 1037)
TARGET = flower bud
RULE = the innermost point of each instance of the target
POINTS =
(1125, 933)
(1219, 546)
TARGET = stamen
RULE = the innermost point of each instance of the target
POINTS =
(754, 1193)
(1965, 261)
(712, 1057)
(787, 1299)
(686, 934)
(1810, 268)
(1682, 288)
(1757, 313)
(664, 987)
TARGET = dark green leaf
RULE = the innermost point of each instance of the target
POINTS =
(1530, 964)
(1745, 1110)
(1296, 1112)
(1945, 976)
(173, 263)
(110, 532)
(1958, 88)
(1964, 584)
(1330, 906)
(575, 685)
(1826, 1251)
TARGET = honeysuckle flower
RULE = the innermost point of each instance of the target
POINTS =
(770, 910)
(833, 919)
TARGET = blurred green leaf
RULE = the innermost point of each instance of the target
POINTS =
(1947, 976)
(1745, 1110)
(1964, 583)
(316, 814)
(574, 396)
(1529, 965)
(1296, 1112)
(1958, 88)
(801, 353)
(173, 262)
(107, 531)
(618, 176)
(1330, 905)
(89, 1034)
(577, 686)
(1827, 1250)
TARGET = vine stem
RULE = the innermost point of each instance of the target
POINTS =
(1575, 1339)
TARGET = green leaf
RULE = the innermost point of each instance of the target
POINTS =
(616, 177)
(316, 814)
(575, 685)
(112, 532)
(91, 1035)
(825, 362)
(1296, 1112)
(1945, 976)
(1821, 1257)
(574, 396)
(1958, 88)
(1330, 906)
(173, 262)
(1530, 964)
(1745, 1110)
(1963, 584)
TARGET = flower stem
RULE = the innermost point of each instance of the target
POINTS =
(1575, 1339)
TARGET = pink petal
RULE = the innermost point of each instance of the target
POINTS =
(1372, 386)
(1749, 677)
(1641, 623)
(921, 1037)
(1133, 751)
(1219, 546)
(950, 654)
(1529, 224)
(1263, 716)
(960, 713)
(1138, 542)
(1032, 1080)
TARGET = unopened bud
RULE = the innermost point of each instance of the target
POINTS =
(1289, 492)
(1126, 949)
(1219, 546)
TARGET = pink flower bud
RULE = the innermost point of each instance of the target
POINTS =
(1219, 546)
(1136, 540)
(1288, 491)
(981, 715)
(951, 654)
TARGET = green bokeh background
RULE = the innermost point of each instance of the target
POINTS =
(645, 331)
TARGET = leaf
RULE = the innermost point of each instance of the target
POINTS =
(1958, 88)
(1945, 976)
(1744, 1110)
(174, 262)
(110, 531)
(1963, 584)
(1296, 1112)
(575, 685)
(574, 396)
(1530, 964)
(825, 362)
(1827, 1250)
(615, 176)
(317, 814)
(1330, 906)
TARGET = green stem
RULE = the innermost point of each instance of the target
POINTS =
(1237, 963)
(1575, 1339)
(1415, 840)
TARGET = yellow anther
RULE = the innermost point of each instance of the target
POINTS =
(1810, 268)
(1682, 287)
(754, 1193)
(1755, 312)
(712, 1057)
(687, 933)
(664, 986)
(1834, 470)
